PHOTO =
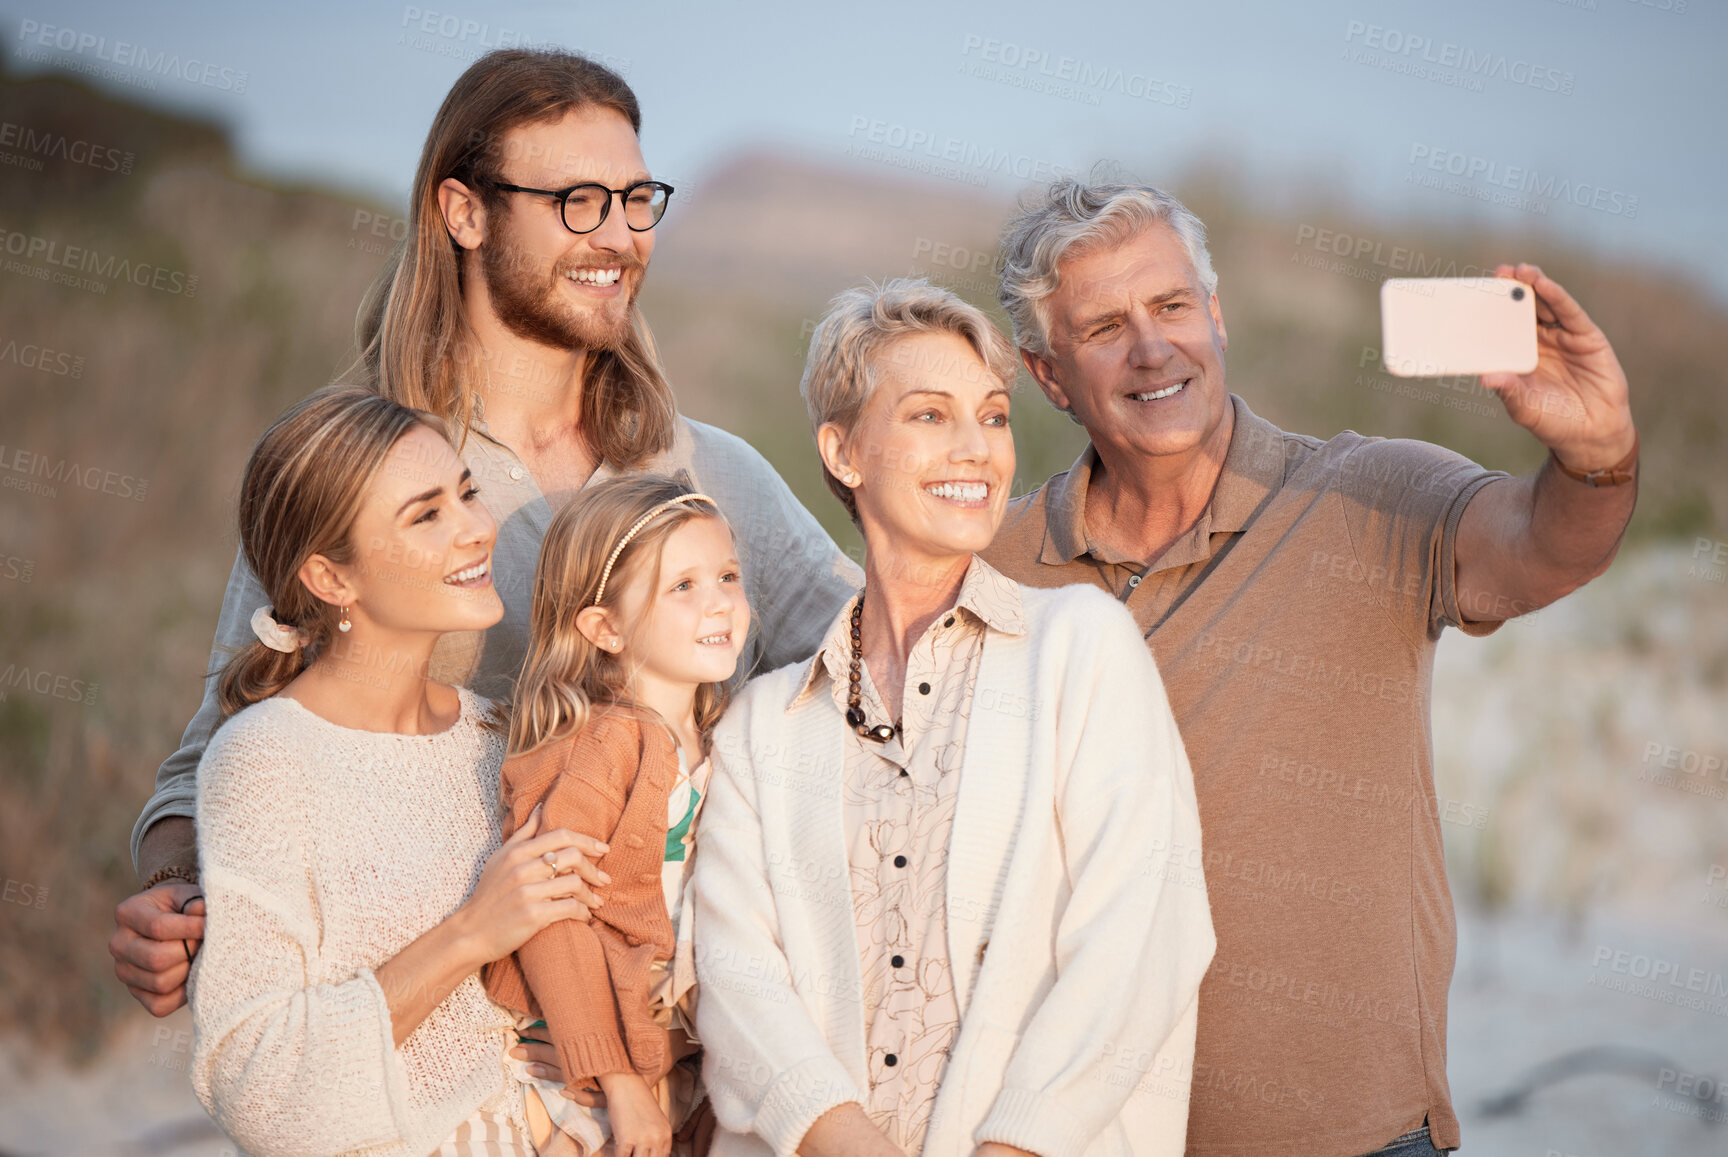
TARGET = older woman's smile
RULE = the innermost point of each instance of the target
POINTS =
(960, 493)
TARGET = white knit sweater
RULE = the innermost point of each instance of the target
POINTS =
(325, 851)
(1077, 955)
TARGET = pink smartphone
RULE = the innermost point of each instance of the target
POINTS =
(1439, 326)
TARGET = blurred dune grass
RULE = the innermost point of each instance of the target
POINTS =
(122, 593)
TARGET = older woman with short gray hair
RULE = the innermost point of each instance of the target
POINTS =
(932, 915)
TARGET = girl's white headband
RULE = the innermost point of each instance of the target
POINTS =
(600, 591)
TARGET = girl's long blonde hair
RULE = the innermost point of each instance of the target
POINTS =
(565, 677)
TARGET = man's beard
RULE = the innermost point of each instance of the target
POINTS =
(524, 296)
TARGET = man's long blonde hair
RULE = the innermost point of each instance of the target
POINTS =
(565, 677)
(415, 346)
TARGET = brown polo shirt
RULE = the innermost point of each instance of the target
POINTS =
(1295, 627)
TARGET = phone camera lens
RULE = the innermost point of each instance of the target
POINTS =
(1518, 293)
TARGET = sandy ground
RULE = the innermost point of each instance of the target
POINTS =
(1527, 991)
(135, 1102)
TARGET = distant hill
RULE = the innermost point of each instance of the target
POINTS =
(137, 371)
(769, 238)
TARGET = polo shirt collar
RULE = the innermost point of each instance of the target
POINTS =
(986, 596)
(1253, 468)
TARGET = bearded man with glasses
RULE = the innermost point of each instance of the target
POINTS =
(510, 311)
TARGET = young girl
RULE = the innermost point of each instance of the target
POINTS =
(637, 620)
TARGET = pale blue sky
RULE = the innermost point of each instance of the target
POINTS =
(342, 91)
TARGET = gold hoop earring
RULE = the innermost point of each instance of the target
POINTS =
(343, 624)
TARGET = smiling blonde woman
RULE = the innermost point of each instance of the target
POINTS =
(931, 915)
(347, 811)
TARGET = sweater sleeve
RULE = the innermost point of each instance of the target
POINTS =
(1124, 794)
(288, 1059)
(766, 1064)
(565, 963)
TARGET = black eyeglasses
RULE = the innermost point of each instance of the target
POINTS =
(583, 208)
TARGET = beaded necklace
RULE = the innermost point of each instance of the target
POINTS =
(881, 733)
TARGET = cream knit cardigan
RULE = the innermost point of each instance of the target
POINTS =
(324, 852)
(1077, 962)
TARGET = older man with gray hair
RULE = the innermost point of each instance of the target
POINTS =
(1292, 590)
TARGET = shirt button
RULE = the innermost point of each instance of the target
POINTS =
(899, 861)
(949, 621)
(923, 688)
(1133, 580)
(897, 961)
(516, 473)
(890, 1060)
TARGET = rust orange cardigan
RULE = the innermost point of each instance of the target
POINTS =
(590, 981)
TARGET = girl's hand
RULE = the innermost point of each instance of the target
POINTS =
(639, 1128)
(532, 881)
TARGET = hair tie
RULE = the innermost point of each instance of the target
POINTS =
(600, 591)
(277, 636)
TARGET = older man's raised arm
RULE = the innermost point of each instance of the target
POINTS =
(1525, 542)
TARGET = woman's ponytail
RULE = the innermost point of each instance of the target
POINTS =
(257, 672)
